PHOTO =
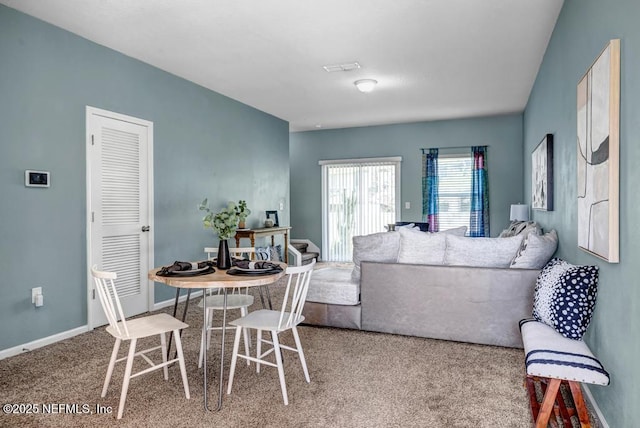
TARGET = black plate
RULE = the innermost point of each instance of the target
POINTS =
(233, 271)
(184, 273)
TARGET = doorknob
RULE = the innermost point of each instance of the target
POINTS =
(146, 228)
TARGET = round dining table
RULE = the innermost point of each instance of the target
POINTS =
(224, 281)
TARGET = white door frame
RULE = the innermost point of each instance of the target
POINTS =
(324, 164)
(90, 111)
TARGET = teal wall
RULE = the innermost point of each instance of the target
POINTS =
(205, 145)
(209, 145)
(583, 29)
(502, 134)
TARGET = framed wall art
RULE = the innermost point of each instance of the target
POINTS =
(542, 175)
(598, 130)
(273, 215)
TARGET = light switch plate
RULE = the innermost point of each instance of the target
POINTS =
(34, 292)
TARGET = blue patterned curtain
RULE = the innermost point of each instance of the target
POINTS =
(430, 189)
(479, 220)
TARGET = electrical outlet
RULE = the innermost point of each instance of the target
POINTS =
(407, 205)
(35, 292)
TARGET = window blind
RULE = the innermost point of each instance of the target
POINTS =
(360, 199)
(454, 187)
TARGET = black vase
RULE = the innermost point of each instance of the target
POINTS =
(224, 258)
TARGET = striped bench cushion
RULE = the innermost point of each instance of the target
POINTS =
(551, 355)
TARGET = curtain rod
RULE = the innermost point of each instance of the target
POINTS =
(446, 148)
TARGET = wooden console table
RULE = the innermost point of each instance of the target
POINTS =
(252, 234)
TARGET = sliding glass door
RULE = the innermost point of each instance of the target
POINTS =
(359, 197)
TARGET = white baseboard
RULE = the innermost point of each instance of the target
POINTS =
(170, 302)
(592, 402)
(39, 343)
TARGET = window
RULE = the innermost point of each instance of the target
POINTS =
(454, 190)
(359, 197)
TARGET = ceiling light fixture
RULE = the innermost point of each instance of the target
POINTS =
(365, 85)
(348, 66)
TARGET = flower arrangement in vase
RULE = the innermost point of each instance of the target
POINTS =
(225, 223)
(242, 211)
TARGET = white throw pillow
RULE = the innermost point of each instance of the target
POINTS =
(377, 247)
(481, 252)
(536, 251)
(418, 247)
(457, 231)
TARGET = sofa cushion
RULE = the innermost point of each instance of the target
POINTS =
(481, 252)
(384, 247)
(421, 248)
(536, 251)
(333, 285)
(565, 296)
(377, 247)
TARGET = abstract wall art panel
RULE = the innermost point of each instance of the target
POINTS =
(542, 175)
(598, 155)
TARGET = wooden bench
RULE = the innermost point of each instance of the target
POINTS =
(553, 360)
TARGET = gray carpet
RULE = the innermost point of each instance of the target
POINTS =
(358, 379)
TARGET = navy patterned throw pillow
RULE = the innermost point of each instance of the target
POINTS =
(565, 296)
(263, 253)
(269, 252)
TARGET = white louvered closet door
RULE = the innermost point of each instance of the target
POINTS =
(119, 211)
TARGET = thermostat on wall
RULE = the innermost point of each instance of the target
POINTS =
(36, 178)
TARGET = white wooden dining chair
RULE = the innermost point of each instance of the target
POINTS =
(122, 330)
(287, 318)
(238, 298)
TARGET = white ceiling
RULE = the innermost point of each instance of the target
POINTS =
(433, 59)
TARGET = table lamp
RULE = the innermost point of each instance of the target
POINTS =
(519, 212)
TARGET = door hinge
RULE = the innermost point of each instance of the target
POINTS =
(92, 141)
(93, 217)
(93, 294)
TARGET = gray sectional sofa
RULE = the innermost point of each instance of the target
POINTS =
(389, 289)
